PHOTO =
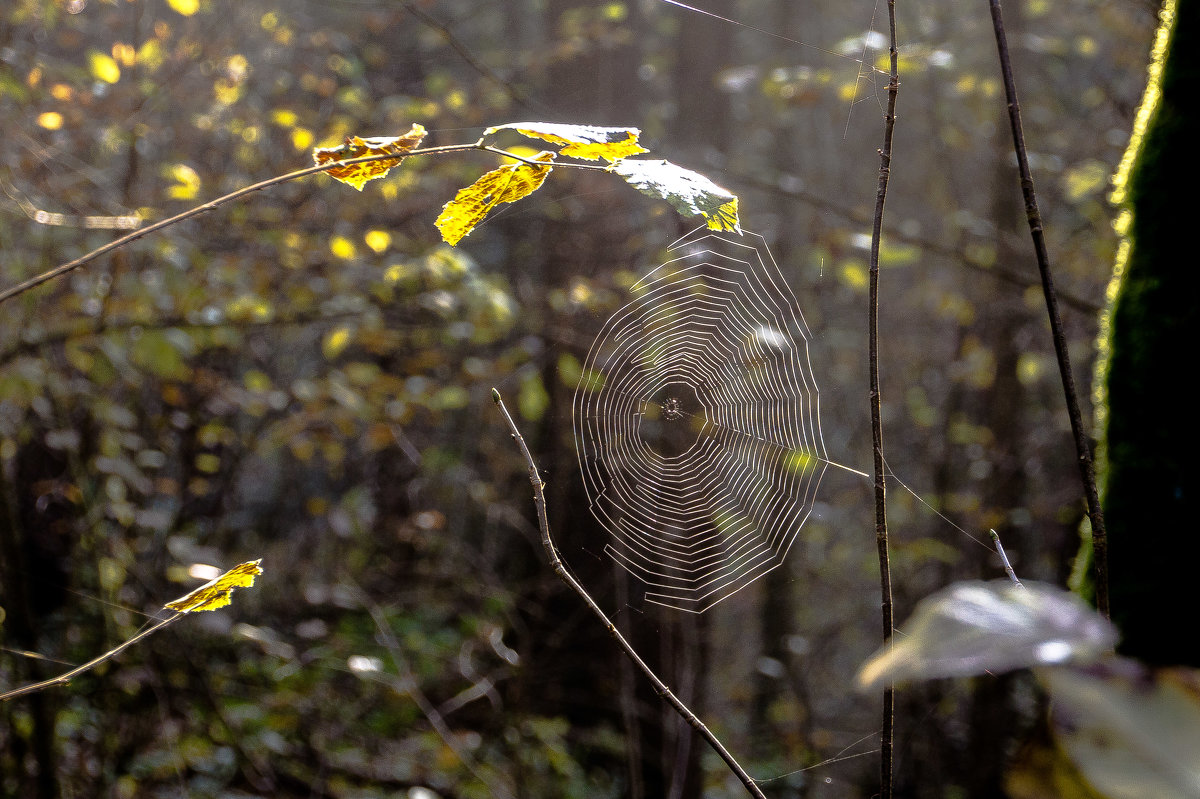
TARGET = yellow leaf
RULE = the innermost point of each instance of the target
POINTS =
(507, 184)
(335, 341)
(354, 147)
(187, 183)
(342, 247)
(302, 138)
(51, 120)
(216, 593)
(103, 67)
(582, 141)
(378, 240)
(184, 7)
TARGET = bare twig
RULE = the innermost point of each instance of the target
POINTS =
(1083, 450)
(1008, 569)
(887, 732)
(66, 677)
(539, 501)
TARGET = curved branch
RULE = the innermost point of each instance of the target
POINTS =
(539, 501)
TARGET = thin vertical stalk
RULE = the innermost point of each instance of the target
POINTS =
(660, 688)
(887, 733)
(1083, 450)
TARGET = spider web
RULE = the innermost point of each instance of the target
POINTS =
(697, 423)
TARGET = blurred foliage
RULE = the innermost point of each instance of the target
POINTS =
(304, 377)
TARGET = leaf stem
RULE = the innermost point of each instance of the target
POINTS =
(539, 501)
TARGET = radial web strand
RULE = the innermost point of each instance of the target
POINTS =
(697, 423)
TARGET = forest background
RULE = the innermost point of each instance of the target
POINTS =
(305, 378)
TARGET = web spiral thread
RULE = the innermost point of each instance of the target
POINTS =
(697, 423)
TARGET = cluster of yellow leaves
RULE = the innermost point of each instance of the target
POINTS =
(688, 192)
(217, 593)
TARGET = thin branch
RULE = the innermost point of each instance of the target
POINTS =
(539, 501)
(66, 677)
(1083, 450)
(71, 266)
(1008, 569)
(887, 733)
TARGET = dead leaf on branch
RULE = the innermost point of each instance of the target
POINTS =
(587, 142)
(507, 184)
(218, 593)
(356, 147)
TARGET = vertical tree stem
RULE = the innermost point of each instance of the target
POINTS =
(886, 739)
(1083, 448)
(539, 501)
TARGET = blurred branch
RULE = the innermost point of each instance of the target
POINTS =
(57, 337)
(1083, 450)
(42, 217)
(405, 683)
(958, 254)
(539, 501)
(519, 97)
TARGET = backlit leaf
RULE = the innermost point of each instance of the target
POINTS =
(582, 141)
(507, 184)
(971, 628)
(355, 147)
(217, 593)
(104, 67)
(187, 183)
(335, 342)
(689, 192)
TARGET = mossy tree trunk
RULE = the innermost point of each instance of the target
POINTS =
(1150, 436)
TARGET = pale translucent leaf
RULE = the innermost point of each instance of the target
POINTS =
(977, 627)
(582, 141)
(1133, 732)
(689, 192)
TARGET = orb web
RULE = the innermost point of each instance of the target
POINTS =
(697, 423)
